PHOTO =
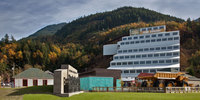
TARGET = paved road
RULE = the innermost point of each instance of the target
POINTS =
(5, 94)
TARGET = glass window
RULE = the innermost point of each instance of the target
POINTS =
(175, 53)
(161, 61)
(150, 55)
(169, 47)
(153, 40)
(140, 50)
(168, 61)
(139, 71)
(157, 48)
(146, 49)
(124, 38)
(126, 71)
(121, 57)
(155, 62)
(169, 54)
(169, 39)
(124, 63)
(137, 42)
(142, 62)
(176, 47)
(116, 57)
(138, 56)
(141, 37)
(135, 37)
(142, 41)
(113, 64)
(132, 42)
(147, 36)
(135, 50)
(130, 63)
(126, 57)
(162, 54)
(149, 28)
(129, 38)
(176, 38)
(147, 41)
(151, 49)
(132, 71)
(143, 56)
(120, 51)
(144, 29)
(164, 39)
(175, 60)
(136, 62)
(160, 35)
(158, 40)
(152, 70)
(154, 35)
(133, 56)
(124, 51)
(163, 48)
(167, 34)
(161, 27)
(155, 28)
(145, 71)
(130, 50)
(148, 62)
(127, 42)
(118, 63)
(156, 55)
(175, 33)
(122, 43)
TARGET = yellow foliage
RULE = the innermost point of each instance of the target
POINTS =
(19, 55)
(52, 56)
(57, 49)
(37, 53)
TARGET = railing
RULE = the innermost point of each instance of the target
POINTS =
(129, 89)
(182, 89)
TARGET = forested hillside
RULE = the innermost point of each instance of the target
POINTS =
(80, 42)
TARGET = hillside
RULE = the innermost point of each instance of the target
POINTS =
(48, 30)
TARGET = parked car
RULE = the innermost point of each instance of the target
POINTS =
(3, 84)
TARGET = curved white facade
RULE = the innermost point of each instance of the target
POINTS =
(147, 52)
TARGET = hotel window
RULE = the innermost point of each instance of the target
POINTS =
(160, 35)
(147, 36)
(154, 35)
(169, 54)
(175, 33)
(145, 71)
(132, 42)
(132, 71)
(152, 70)
(136, 42)
(176, 47)
(153, 40)
(142, 62)
(148, 62)
(169, 39)
(175, 54)
(129, 38)
(136, 62)
(142, 41)
(127, 43)
(155, 28)
(143, 56)
(175, 60)
(120, 51)
(149, 29)
(130, 50)
(147, 41)
(155, 62)
(118, 63)
(167, 34)
(156, 55)
(130, 63)
(150, 55)
(121, 57)
(141, 37)
(135, 50)
(161, 61)
(158, 40)
(144, 29)
(124, 51)
(169, 47)
(164, 39)
(161, 27)
(113, 64)
(133, 56)
(135, 37)
(168, 61)
(146, 49)
(138, 56)
(163, 48)
(157, 48)
(122, 43)
(140, 50)
(116, 57)
(151, 49)
(139, 71)
(126, 57)
(162, 54)
(124, 63)
(124, 38)
(126, 71)
(176, 38)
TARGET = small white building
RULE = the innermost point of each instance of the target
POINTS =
(33, 77)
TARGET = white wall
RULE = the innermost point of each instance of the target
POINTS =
(30, 82)
(40, 82)
(18, 83)
(50, 82)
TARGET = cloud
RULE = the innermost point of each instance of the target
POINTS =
(23, 17)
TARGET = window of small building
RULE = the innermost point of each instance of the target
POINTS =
(176, 47)
(152, 70)
(154, 35)
(156, 55)
(139, 71)
(147, 36)
(160, 35)
(151, 49)
(136, 42)
(158, 40)
(142, 62)
(126, 71)
(163, 48)
(161, 61)
(169, 54)
(127, 43)
(124, 51)
(144, 56)
(142, 41)
(140, 50)
(116, 57)
(175, 33)
(141, 37)
(145, 71)
(138, 56)
(126, 57)
(113, 64)
(157, 48)
(124, 39)
(162, 54)
(167, 34)
(130, 63)
(129, 38)
(25, 82)
(118, 63)
(135, 37)
(124, 63)
(168, 61)
(148, 62)
(169, 47)
(133, 56)
(132, 42)
(176, 38)
(132, 71)
(146, 49)
(169, 39)
(175, 60)
(153, 40)
(155, 62)
(147, 41)
(45, 82)
(122, 43)
(135, 50)
(130, 50)
(164, 39)
(175, 53)
(150, 55)
(136, 62)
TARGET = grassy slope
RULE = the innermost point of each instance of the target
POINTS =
(116, 96)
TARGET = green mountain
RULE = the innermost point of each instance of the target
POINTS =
(48, 30)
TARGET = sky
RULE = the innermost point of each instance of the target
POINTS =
(21, 18)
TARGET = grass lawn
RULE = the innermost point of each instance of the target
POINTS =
(116, 96)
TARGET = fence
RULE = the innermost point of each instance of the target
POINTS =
(182, 89)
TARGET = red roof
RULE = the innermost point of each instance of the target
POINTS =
(142, 75)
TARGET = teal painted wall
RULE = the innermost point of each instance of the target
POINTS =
(118, 83)
(87, 83)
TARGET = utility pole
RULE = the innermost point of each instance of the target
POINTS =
(13, 69)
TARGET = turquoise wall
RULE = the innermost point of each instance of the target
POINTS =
(87, 83)
(118, 83)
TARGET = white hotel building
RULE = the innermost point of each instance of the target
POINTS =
(146, 50)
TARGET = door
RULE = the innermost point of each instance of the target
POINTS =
(35, 83)
(44, 82)
(25, 82)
